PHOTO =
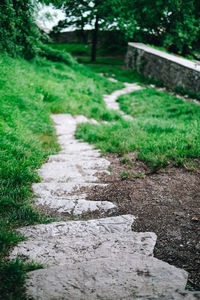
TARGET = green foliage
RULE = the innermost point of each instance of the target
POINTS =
(125, 175)
(56, 55)
(18, 33)
(165, 129)
(12, 279)
(172, 23)
(73, 48)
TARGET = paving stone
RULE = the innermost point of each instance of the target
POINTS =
(111, 102)
(80, 161)
(76, 205)
(61, 249)
(119, 224)
(59, 172)
(118, 277)
(63, 190)
(178, 295)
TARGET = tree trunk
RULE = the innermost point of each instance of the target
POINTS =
(95, 39)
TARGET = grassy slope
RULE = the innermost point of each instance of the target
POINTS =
(29, 92)
(165, 129)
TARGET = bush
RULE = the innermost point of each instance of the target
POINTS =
(56, 55)
(19, 34)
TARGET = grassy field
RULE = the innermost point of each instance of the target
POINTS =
(30, 91)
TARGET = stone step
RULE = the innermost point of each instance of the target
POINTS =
(65, 250)
(58, 172)
(118, 277)
(119, 224)
(177, 295)
(76, 205)
(56, 189)
(84, 162)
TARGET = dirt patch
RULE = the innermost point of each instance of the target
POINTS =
(167, 203)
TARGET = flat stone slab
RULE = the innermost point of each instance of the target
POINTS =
(111, 100)
(118, 277)
(76, 205)
(70, 250)
(83, 161)
(65, 250)
(62, 190)
(178, 295)
(79, 229)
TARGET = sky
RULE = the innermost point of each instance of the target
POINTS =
(56, 16)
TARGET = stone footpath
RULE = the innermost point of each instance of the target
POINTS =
(96, 259)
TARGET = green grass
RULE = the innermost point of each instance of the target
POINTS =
(73, 48)
(165, 130)
(80, 49)
(30, 91)
(123, 75)
(102, 61)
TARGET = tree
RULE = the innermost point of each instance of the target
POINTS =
(18, 32)
(96, 13)
(172, 23)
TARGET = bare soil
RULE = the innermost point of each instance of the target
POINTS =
(166, 202)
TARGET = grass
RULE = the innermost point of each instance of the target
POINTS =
(80, 49)
(73, 48)
(165, 130)
(123, 75)
(103, 61)
(30, 91)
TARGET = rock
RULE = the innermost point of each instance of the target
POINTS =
(118, 277)
(76, 205)
(61, 249)
(111, 102)
(178, 295)
(63, 190)
(120, 224)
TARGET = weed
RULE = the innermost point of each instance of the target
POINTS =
(127, 161)
(125, 175)
(139, 175)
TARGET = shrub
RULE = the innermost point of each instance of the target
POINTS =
(56, 55)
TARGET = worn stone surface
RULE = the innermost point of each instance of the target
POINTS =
(178, 295)
(76, 205)
(116, 277)
(74, 168)
(79, 229)
(173, 71)
(63, 190)
(111, 102)
(61, 249)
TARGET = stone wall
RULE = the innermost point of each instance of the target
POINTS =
(105, 37)
(172, 70)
